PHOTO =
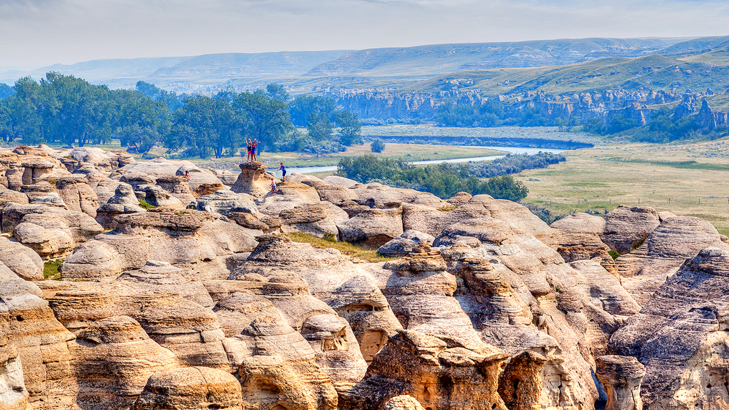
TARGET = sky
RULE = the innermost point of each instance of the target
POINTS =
(37, 33)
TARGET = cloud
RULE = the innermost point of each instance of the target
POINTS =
(43, 32)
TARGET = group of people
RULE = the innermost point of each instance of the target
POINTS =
(251, 147)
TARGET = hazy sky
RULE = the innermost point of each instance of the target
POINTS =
(36, 33)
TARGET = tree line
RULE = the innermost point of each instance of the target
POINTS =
(442, 180)
(67, 110)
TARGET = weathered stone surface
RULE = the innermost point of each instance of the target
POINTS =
(225, 201)
(621, 376)
(112, 359)
(404, 402)
(177, 186)
(339, 181)
(186, 238)
(123, 202)
(318, 219)
(156, 196)
(626, 227)
(434, 373)
(406, 243)
(580, 240)
(191, 388)
(41, 343)
(676, 239)
(49, 231)
(680, 337)
(253, 180)
(372, 228)
(13, 394)
(78, 195)
(520, 385)
(21, 259)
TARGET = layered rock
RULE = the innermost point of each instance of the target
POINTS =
(49, 231)
(13, 394)
(621, 377)
(253, 180)
(124, 201)
(22, 260)
(406, 243)
(580, 240)
(435, 373)
(372, 228)
(78, 195)
(187, 238)
(680, 336)
(676, 239)
(191, 388)
(627, 227)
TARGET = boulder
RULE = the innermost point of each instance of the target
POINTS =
(158, 197)
(431, 371)
(372, 228)
(406, 243)
(13, 394)
(49, 231)
(225, 201)
(404, 402)
(191, 388)
(78, 195)
(627, 227)
(22, 260)
(177, 186)
(123, 202)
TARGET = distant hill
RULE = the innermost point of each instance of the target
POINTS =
(445, 58)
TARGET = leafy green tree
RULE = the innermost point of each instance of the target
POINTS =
(350, 128)
(173, 101)
(205, 126)
(140, 122)
(5, 91)
(378, 145)
(24, 109)
(302, 106)
(267, 120)
(504, 187)
(319, 127)
(277, 92)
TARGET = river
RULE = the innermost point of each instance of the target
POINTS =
(512, 150)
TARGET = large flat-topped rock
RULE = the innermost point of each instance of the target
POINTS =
(253, 180)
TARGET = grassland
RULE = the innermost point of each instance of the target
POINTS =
(356, 253)
(408, 152)
(686, 179)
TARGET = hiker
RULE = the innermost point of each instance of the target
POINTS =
(273, 186)
(187, 175)
(283, 172)
(248, 150)
(254, 144)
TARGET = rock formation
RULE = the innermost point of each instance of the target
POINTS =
(206, 302)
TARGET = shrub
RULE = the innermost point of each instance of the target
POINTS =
(378, 145)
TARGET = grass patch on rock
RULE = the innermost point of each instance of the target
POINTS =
(145, 205)
(50, 269)
(346, 248)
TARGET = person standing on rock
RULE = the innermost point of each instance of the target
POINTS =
(254, 144)
(283, 172)
(273, 186)
(248, 150)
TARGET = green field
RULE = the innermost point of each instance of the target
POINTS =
(408, 152)
(686, 179)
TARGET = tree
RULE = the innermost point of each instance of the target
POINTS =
(5, 91)
(349, 128)
(302, 106)
(268, 120)
(378, 145)
(173, 101)
(205, 126)
(504, 187)
(277, 92)
(319, 127)
(141, 122)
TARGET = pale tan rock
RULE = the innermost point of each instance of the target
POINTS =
(112, 359)
(13, 394)
(191, 388)
(403, 402)
(253, 180)
(339, 181)
(680, 337)
(621, 376)
(580, 240)
(626, 227)
(520, 385)
(372, 228)
(22, 260)
(178, 187)
(78, 195)
(49, 231)
(124, 201)
(183, 238)
(432, 372)
(663, 252)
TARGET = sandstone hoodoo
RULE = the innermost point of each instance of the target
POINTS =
(203, 300)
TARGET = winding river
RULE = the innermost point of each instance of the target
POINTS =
(512, 150)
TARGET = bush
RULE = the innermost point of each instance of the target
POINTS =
(378, 145)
